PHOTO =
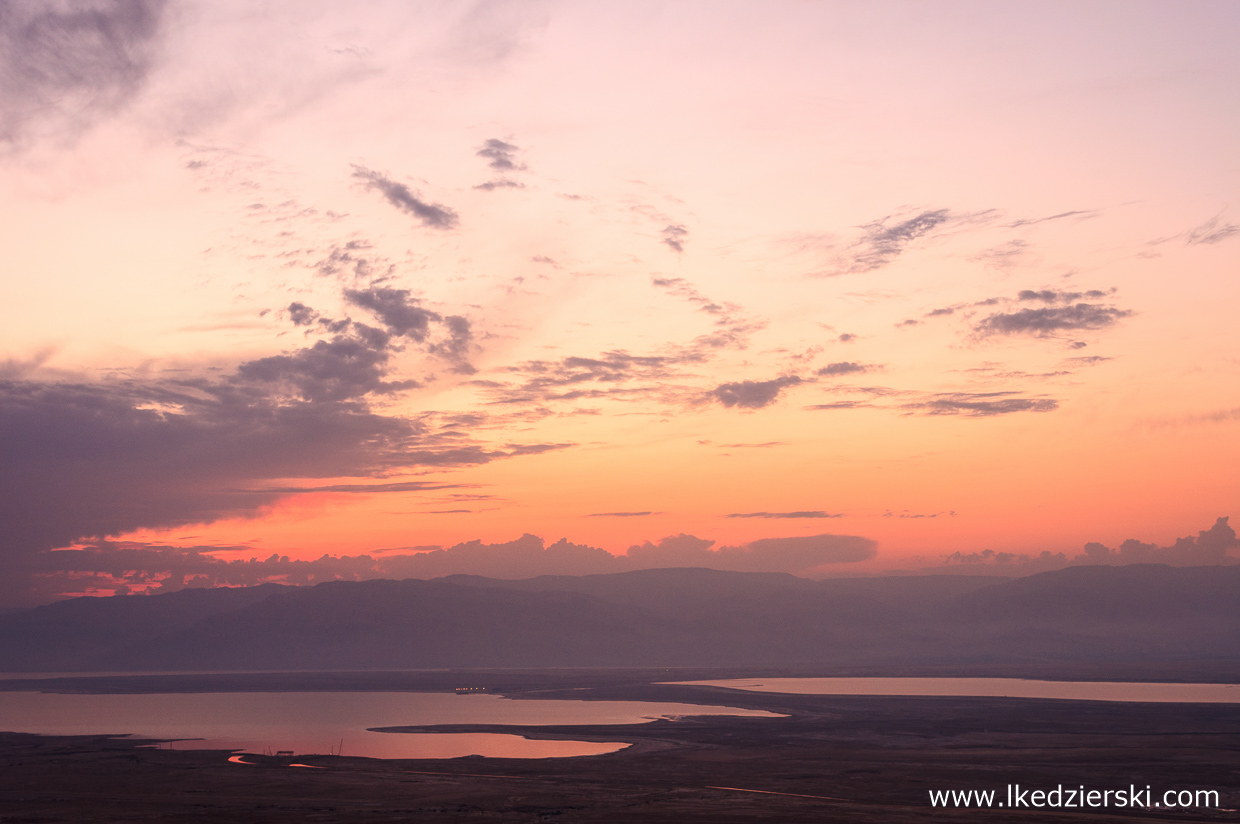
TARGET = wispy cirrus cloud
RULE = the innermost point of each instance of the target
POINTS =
(796, 514)
(979, 404)
(1214, 230)
(63, 65)
(885, 239)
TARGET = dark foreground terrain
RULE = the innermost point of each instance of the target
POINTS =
(856, 759)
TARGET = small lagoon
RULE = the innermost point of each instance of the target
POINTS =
(1136, 691)
(330, 722)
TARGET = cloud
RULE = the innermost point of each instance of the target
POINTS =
(619, 375)
(346, 367)
(847, 337)
(752, 394)
(500, 155)
(108, 567)
(620, 514)
(1004, 256)
(434, 215)
(808, 513)
(882, 241)
(1077, 213)
(827, 407)
(65, 64)
(101, 458)
(980, 404)
(1212, 231)
(1218, 416)
(1209, 547)
(804, 556)
(400, 313)
(681, 288)
(492, 185)
(1215, 546)
(1048, 321)
(1053, 296)
(403, 315)
(842, 368)
(301, 315)
(674, 237)
(609, 375)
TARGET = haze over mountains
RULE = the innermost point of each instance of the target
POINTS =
(107, 567)
(665, 617)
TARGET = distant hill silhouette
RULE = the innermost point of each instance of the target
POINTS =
(658, 617)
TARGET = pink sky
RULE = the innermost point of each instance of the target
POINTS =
(878, 262)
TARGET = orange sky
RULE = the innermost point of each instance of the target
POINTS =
(878, 263)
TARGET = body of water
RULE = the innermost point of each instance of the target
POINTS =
(991, 688)
(325, 722)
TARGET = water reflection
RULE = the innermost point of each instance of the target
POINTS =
(327, 722)
(991, 687)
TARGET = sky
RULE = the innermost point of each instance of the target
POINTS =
(829, 288)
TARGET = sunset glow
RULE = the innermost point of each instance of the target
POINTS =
(320, 279)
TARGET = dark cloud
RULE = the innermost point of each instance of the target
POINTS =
(96, 459)
(301, 315)
(399, 195)
(752, 394)
(396, 309)
(348, 366)
(938, 313)
(455, 348)
(1048, 321)
(1214, 230)
(66, 63)
(500, 155)
(404, 316)
(980, 404)
(847, 337)
(842, 368)
(809, 513)
(674, 237)
(99, 459)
